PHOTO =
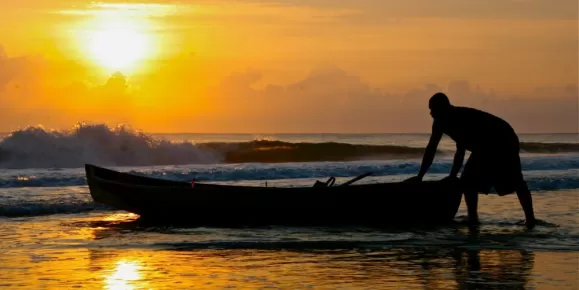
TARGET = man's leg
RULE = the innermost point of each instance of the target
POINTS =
(522, 190)
(470, 177)
(524, 195)
(471, 198)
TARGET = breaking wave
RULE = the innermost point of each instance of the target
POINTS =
(35, 147)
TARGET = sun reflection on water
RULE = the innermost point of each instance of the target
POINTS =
(125, 216)
(125, 275)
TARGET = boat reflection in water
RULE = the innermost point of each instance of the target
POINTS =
(406, 268)
(175, 264)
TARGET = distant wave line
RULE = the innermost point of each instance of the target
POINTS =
(36, 147)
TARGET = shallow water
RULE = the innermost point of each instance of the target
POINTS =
(52, 236)
(112, 250)
(296, 269)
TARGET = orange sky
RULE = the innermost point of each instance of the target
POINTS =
(286, 65)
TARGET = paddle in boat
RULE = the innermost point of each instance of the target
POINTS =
(322, 204)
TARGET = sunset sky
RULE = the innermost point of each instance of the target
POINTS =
(286, 65)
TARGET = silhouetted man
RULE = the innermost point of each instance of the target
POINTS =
(494, 160)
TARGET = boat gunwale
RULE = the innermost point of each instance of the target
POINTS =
(213, 187)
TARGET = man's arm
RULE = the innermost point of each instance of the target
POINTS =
(430, 150)
(458, 160)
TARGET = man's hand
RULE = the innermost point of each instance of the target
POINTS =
(428, 153)
(450, 177)
(413, 179)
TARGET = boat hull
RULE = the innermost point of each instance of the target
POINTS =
(208, 204)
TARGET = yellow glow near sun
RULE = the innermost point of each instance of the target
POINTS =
(118, 45)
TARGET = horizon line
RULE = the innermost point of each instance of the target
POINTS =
(317, 133)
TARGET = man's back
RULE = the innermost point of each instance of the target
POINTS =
(474, 129)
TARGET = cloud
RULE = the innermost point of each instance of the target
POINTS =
(16, 68)
(374, 11)
(128, 9)
(180, 97)
(116, 84)
(34, 90)
(329, 99)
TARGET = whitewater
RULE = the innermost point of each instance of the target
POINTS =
(49, 224)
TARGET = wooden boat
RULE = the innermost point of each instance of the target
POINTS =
(213, 204)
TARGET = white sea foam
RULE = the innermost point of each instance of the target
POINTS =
(35, 147)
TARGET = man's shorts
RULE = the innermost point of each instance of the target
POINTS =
(497, 167)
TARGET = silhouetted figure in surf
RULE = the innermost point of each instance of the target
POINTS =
(494, 160)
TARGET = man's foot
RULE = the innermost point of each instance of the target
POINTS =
(473, 218)
(529, 223)
(473, 221)
(470, 221)
(414, 179)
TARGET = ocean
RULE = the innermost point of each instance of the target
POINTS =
(53, 236)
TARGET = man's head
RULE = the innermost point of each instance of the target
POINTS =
(439, 105)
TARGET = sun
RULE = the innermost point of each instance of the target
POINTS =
(118, 46)
(118, 36)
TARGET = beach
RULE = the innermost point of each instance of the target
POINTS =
(54, 237)
(280, 144)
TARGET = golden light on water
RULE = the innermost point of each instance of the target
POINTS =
(124, 274)
(124, 216)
